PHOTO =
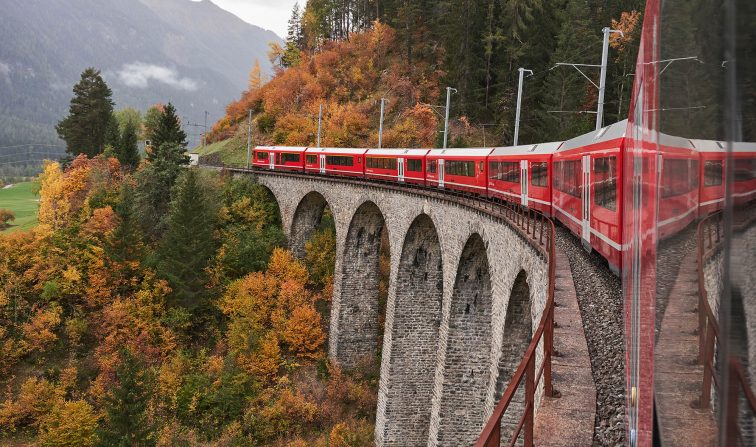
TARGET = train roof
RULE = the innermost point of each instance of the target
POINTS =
(674, 141)
(608, 133)
(282, 148)
(743, 146)
(398, 151)
(461, 152)
(540, 148)
(336, 150)
(707, 145)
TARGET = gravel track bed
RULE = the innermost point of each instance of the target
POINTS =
(599, 295)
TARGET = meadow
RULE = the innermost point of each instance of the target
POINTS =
(23, 201)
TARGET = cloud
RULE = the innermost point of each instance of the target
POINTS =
(4, 69)
(139, 75)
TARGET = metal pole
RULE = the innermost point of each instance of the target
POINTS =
(519, 101)
(320, 118)
(249, 138)
(204, 135)
(446, 119)
(380, 126)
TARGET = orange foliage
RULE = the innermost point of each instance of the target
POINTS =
(303, 333)
(627, 24)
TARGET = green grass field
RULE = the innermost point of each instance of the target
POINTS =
(20, 199)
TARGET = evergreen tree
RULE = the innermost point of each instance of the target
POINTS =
(292, 47)
(151, 121)
(188, 243)
(125, 247)
(168, 131)
(128, 150)
(155, 183)
(126, 423)
(90, 112)
(112, 134)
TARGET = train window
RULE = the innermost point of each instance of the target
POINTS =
(481, 166)
(539, 173)
(380, 162)
(432, 166)
(311, 159)
(567, 175)
(745, 169)
(278, 158)
(506, 171)
(678, 177)
(712, 173)
(459, 167)
(291, 158)
(340, 160)
(415, 165)
(359, 160)
(262, 155)
(605, 182)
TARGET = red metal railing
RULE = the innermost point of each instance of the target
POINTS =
(491, 434)
(710, 235)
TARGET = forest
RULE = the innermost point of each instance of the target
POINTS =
(348, 54)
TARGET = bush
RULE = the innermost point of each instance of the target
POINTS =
(6, 216)
(71, 424)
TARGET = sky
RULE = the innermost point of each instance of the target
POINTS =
(267, 14)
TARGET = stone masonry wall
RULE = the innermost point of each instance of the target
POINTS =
(427, 239)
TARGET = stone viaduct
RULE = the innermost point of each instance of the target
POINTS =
(466, 291)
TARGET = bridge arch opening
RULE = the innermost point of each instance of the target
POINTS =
(467, 362)
(518, 332)
(364, 286)
(308, 218)
(415, 328)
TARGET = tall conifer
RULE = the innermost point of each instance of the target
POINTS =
(84, 129)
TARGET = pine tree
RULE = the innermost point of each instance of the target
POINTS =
(126, 423)
(292, 47)
(128, 150)
(89, 114)
(155, 185)
(168, 131)
(112, 134)
(125, 246)
(188, 243)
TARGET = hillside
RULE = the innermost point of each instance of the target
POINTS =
(193, 54)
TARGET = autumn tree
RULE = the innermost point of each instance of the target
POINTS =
(255, 76)
(151, 121)
(72, 423)
(6, 217)
(126, 422)
(85, 127)
(189, 240)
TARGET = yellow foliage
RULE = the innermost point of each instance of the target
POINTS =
(303, 332)
(70, 424)
(285, 267)
(264, 363)
(36, 398)
(39, 330)
(351, 434)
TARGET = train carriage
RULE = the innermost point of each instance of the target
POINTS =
(744, 177)
(458, 169)
(402, 165)
(522, 174)
(336, 161)
(585, 189)
(287, 158)
(678, 189)
(710, 175)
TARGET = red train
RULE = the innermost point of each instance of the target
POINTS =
(578, 181)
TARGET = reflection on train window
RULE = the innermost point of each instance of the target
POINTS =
(291, 158)
(262, 155)
(713, 173)
(339, 160)
(458, 167)
(567, 177)
(506, 171)
(381, 162)
(745, 169)
(311, 159)
(679, 176)
(432, 166)
(415, 165)
(605, 182)
(539, 173)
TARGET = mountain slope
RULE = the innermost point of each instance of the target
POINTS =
(191, 53)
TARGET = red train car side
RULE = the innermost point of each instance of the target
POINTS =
(458, 169)
(401, 165)
(710, 175)
(335, 161)
(287, 158)
(678, 188)
(522, 174)
(744, 182)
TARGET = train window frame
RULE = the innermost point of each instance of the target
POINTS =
(745, 170)
(504, 171)
(539, 174)
(605, 189)
(679, 176)
(462, 168)
(311, 159)
(414, 165)
(432, 166)
(567, 177)
(381, 163)
(482, 166)
(340, 160)
(261, 155)
(290, 157)
(712, 174)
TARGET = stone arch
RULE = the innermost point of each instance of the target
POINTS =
(518, 332)
(306, 219)
(415, 331)
(467, 364)
(273, 200)
(360, 306)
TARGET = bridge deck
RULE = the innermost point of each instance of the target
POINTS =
(568, 420)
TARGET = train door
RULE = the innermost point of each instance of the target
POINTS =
(272, 160)
(441, 173)
(322, 163)
(586, 200)
(401, 169)
(524, 182)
